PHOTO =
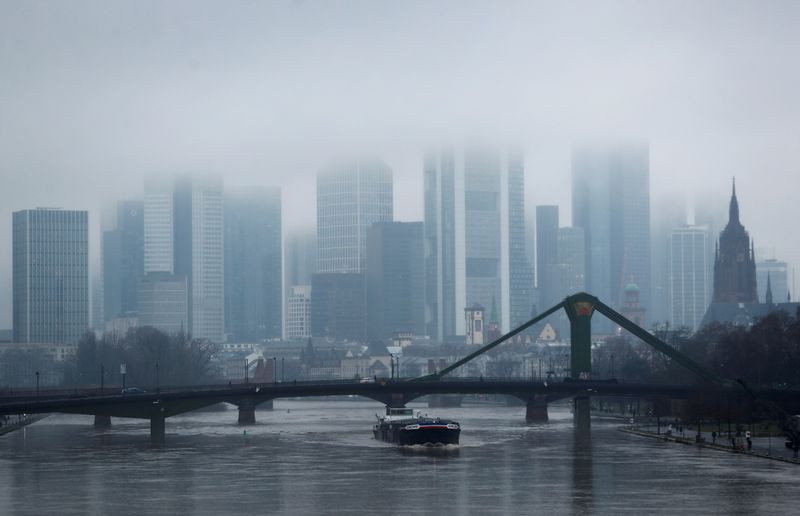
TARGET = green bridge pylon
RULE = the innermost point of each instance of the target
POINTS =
(580, 309)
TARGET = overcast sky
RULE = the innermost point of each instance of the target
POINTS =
(96, 94)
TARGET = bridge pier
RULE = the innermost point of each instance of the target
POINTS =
(102, 421)
(582, 413)
(247, 414)
(536, 409)
(157, 430)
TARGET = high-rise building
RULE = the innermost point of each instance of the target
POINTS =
(470, 211)
(777, 272)
(298, 312)
(159, 213)
(183, 235)
(351, 196)
(669, 213)
(123, 261)
(521, 279)
(570, 264)
(253, 268)
(734, 262)
(50, 249)
(338, 306)
(164, 302)
(687, 259)
(547, 255)
(611, 202)
(300, 257)
(395, 276)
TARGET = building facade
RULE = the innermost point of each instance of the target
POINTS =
(183, 235)
(298, 313)
(351, 196)
(521, 279)
(395, 276)
(611, 203)
(570, 266)
(123, 261)
(688, 277)
(253, 265)
(50, 292)
(338, 308)
(473, 207)
(669, 213)
(547, 255)
(164, 302)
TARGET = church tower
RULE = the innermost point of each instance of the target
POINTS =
(734, 263)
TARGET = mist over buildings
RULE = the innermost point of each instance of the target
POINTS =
(95, 96)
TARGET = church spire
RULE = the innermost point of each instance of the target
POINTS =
(768, 296)
(733, 210)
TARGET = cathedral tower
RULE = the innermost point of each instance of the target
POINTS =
(734, 264)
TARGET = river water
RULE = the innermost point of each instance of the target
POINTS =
(319, 457)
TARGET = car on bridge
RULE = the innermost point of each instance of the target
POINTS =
(133, 390)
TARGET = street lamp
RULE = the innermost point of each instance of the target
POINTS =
(274, 369)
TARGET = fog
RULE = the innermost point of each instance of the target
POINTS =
(94, 95)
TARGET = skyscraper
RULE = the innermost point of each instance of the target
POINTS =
(688, 278)
(183, 235)
(520, 272)
(351, 196)
(547, 255)
(253, 268)
(570, 264)
(164, 302)
(669, 213)
(734, 262)
(337, 306)
(395, 279)
(470, 211)
(50, 275)
(123, 260)
(611, 202)
(300, 262)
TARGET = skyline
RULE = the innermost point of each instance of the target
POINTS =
(95, 99)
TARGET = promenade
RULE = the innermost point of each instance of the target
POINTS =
(768, 447)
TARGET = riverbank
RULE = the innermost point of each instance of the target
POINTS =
(705, 444)
(11, 423)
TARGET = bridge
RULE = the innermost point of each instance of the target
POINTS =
(162, 403)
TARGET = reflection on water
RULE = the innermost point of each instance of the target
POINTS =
(317, 457)
(582, 473)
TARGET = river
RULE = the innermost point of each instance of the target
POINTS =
(319, 457)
